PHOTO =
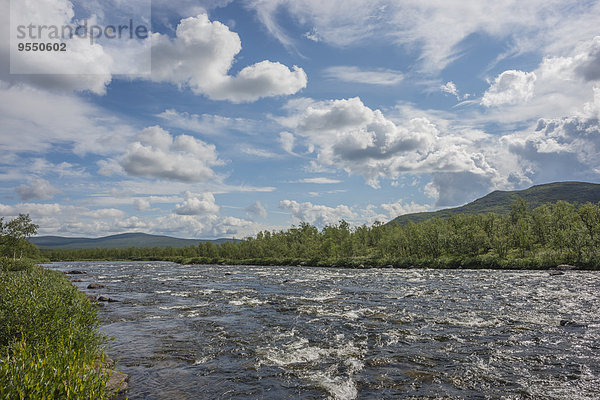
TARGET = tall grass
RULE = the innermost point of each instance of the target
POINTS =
(49, 347)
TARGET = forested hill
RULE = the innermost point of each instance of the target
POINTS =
(122, 241)
(499, 201)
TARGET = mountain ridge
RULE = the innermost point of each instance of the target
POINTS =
(499, 201)
(117, 241)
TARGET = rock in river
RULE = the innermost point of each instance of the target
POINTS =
(96, 286)
(108, 299)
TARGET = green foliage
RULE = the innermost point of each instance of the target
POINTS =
(548, 235)
(14, 234)
(49, 346)
(52, 371)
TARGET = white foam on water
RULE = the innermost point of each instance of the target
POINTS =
(161, 278)
(162, 291)
(247, 301)
(181, 294)
(339, 388)
(300, 352)
(202, 360)
(205, 292)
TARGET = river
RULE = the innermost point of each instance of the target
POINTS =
(247, 332)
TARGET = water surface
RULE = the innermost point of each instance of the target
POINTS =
(224, 332)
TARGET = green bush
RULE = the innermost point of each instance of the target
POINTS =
(49, 347)
(8, 264)
(39, 304)
(52, 371)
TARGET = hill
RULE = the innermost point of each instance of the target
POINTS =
(121, 241)
(499, 201)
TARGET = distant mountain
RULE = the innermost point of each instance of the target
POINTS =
(122, 241)
(499, 201)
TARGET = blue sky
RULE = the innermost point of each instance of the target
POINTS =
(260, 114)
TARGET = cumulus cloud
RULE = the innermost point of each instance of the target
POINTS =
(157, 154)
(257, 209)
(201, 55)
(559, 86)
(588, 60)
(400, 208)
(350, 136)
(318, 215)
(83, 67)
(382, 76)
(141, 204)
(38, 189)
(197, 205)
(510, 87)
(566, 146)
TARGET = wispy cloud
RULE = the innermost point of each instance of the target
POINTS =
(377, 76)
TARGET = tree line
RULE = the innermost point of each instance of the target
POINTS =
(548, 235)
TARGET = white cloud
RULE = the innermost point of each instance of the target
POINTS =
(156, 154)
(450, 88)
(45, 120)
(34, 209)
(318, 215)
(384, 77)
(436, 29)
(197, 205)
(257, 209)
(319, 180)
(38, 189)
(260, 153)
(84, 67)
(510, 87)
(104, 213)
(349, 136)
(286, 139)
(206, 123)
(141, 204)
(201, 55)
(557, 147)
(562, 86)
(400, 208)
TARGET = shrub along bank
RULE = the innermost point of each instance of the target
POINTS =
(49, 345)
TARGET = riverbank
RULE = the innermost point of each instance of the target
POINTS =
(479, 262)
(49, 344)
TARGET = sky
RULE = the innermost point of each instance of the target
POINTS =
(236, 116)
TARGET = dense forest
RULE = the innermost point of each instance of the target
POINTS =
(548, 235)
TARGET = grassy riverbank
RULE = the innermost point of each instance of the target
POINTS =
(49, 345)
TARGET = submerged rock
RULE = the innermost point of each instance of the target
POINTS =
(566, 322)
(76, 272)
(96, 286)
(107, 299)
(554, 273)
(91, 297)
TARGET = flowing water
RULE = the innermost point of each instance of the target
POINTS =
(224, 332)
